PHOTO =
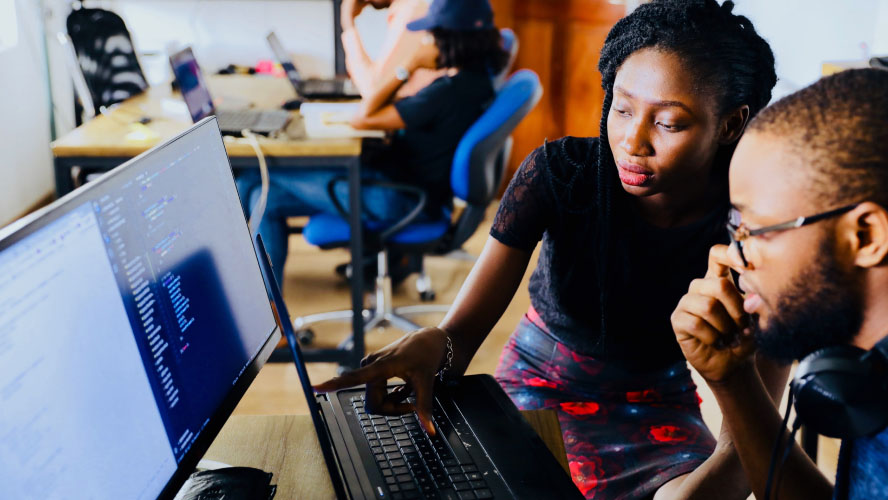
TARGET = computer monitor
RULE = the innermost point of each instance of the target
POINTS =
(133, 317)
(192, 85)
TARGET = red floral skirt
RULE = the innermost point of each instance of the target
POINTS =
(626, 433)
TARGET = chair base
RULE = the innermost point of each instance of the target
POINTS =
(383, 314)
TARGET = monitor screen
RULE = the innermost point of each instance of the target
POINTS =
(129, 312)
(192, 84)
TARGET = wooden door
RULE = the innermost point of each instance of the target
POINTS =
(560, 40)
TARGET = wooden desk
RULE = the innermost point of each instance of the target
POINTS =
(111, 139)
(286, 445)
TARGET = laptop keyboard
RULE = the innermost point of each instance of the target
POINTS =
(415, 465)
(251, 119)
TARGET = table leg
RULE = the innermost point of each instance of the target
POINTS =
(64, 183)
(357, 253)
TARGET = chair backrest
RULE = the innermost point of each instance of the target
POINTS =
(105, 55)
(510, 44)
(481, 156)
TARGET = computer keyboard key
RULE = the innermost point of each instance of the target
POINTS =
(483, 494)
(393, 455)
(401, 470)
(390, 480)
(390, 448)
(404, 443)
(410, 495)
(448, 494)
(408, 486)
(404, 478)
(408, 448)
(376, 449)
(380, 457)
(449, 462)
(394, 488)
(402, 436)
(453, 469)
(384, 434)
(398, 463)
(474, 476)
(386, 442)
(466, 495)
(386, 472)
(477, 485)
(469, 468)
(411, 426)
(397, 496)
(373, 443)
(461, 486)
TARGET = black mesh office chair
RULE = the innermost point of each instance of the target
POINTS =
(105, 56)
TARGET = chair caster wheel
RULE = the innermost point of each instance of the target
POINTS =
(427, 296)
(305, 337)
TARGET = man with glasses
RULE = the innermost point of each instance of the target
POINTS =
(809, 232)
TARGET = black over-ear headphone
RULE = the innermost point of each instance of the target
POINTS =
(842, 391)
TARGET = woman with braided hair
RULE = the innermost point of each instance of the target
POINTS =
(626, 221)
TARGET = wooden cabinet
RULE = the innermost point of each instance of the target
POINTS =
(560, 40)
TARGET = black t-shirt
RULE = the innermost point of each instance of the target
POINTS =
(436, 117)
(551, 198)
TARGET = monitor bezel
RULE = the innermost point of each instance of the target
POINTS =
(27, 225)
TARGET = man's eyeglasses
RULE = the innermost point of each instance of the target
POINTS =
(739, 232)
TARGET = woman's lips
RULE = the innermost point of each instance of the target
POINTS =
(632, 174)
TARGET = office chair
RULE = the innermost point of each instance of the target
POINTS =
(104, 55)
(510, 44)
(476, 173)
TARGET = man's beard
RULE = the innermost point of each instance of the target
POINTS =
(822, 307)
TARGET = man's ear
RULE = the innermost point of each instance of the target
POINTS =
(732, 125)
(867, 234)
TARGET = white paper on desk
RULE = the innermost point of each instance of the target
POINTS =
(330, 119)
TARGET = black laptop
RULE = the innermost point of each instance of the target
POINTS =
(483, 447)
(200, 104)
(311, 88)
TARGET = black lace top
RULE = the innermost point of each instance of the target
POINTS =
(552, 198)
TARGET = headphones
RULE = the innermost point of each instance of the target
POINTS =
(839, 391)
(842, 391)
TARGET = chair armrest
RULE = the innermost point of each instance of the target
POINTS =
(420, 194)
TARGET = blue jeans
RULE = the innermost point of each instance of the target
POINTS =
(303, 191)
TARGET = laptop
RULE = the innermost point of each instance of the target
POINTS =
(200, 104)
(312, 88)
(133, 317)
(483, 447)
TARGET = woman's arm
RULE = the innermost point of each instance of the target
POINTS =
(418, 356)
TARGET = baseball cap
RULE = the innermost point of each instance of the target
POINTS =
(461, 15)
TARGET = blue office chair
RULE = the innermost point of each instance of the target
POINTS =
(510, 44)
(476, 174)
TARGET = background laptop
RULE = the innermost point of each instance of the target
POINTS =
(483, 448)
(312, 88)
(133, 316)
(200, 104)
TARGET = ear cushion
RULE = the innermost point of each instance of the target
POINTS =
(839, 394)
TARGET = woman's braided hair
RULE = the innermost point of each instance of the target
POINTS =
(726, 55)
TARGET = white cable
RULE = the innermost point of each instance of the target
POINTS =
(259, 210)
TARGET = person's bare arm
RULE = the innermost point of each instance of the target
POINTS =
(710, 327)
(417, 356)
(722, 474)
(357, 62)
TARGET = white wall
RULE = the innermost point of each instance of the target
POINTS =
(805, 33)
(25, 159)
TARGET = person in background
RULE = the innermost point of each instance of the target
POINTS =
(626, 221)
(822, 154)
(400, 45)
(426, 128)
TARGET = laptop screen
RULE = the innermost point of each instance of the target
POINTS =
(284, 58)
(129, 313)
(192, 84)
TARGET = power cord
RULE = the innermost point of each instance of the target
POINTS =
(775, 468)
(259, 210)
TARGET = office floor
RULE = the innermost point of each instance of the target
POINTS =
(312, 286)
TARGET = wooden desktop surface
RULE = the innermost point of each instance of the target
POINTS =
(286, 445)
(119, 133)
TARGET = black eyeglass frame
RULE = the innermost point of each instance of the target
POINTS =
(737, 238)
